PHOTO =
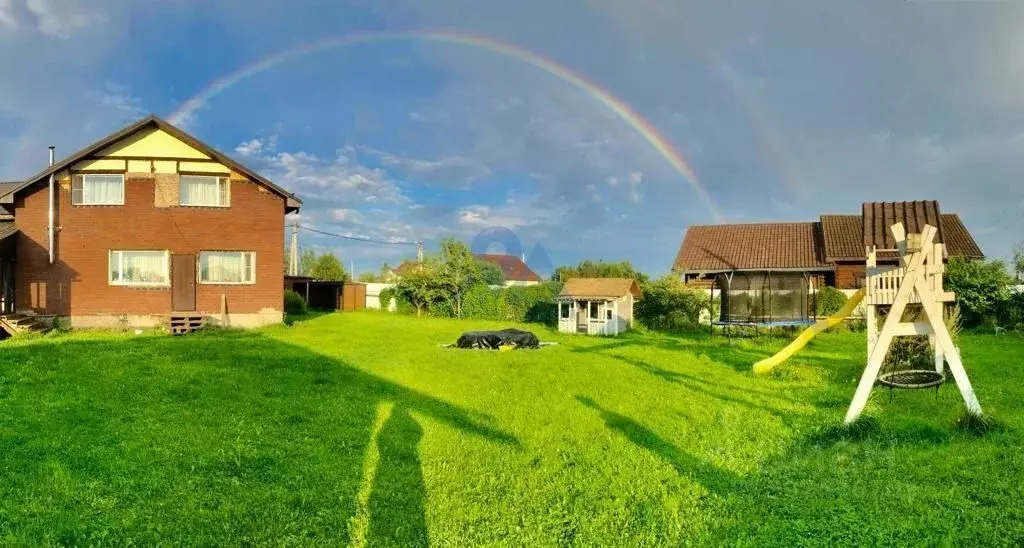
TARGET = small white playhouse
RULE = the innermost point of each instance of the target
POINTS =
(597, 306)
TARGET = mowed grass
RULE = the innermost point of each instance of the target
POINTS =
(358, 429)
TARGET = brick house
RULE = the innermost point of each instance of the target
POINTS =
(771, 271)
(145, 224)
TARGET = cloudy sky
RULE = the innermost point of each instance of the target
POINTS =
(522, 129)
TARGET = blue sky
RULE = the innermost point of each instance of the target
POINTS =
(785, 110)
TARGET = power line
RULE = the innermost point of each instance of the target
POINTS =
(358, 238)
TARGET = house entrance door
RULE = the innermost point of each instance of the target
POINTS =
(183, 283)
(582, 309)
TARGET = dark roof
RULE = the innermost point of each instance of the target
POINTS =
(843, 237)
(292, 202)
(879, 216)
(757, 246)
(7, 229)
(605, 288)
(959, 242)
(512, 267)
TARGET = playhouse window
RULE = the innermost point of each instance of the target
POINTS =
(566, 309)
(594, 312)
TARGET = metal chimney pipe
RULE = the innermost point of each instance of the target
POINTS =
(50, 229)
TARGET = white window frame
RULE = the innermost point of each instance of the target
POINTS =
(82, 178)
(220, 179)
(120, 268)
(199, 267)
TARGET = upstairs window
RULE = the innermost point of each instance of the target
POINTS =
(97, 189)
(204, 191)
(227, 267)
(139, 268)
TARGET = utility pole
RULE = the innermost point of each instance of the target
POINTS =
(419, 252)
(293, 254)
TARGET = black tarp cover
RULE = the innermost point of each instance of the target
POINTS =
(493, 340)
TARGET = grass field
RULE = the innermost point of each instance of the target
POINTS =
(359, 429)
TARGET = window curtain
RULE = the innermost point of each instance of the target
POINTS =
(103, 189)
(200, 190)
(225, 267)
(140, 266)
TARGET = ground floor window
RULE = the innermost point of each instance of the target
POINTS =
(138, 268)
(227, 267)
(594, 310)
(566, 310)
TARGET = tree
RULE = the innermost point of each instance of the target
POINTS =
(459, 270)
(980, 287)
(422, 286)
(1018, 261)
(669, 305)
(326, 266)
(599, 269)
(491, 273)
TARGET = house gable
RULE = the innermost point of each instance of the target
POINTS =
(153, 142)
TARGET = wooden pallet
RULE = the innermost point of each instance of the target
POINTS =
(183, 324)
(16, 324)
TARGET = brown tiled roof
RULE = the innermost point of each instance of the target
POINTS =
(759, 246)
(959, 242)
(843, 236)
(512, 267)
(879, 216)
(7, 229)
(610, 288)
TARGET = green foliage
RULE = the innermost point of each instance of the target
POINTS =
(670, 305)
(491, 273)
(599, 269)
(483, 303)
(294, 303)
(387, 295)
(532, 303)
(829, 300)
(980, 287)
(458, 271)
(647, 439)
(422, 286)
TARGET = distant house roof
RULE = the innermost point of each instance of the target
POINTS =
(512, 267)
(406, 267)
(815, 246)
(292, 202)
(756, 246)
(601, 288)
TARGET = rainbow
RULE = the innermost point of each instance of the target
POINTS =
(603, 96)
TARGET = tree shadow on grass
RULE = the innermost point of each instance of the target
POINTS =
(231, 437)
(710, 476)
(397, 513)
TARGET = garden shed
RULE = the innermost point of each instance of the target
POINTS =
(597, 306)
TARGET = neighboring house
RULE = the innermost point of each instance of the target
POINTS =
(145, 224)
(771, 271)
(597, 306)
(514, 269)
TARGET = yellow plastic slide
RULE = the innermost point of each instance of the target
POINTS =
(768, 364)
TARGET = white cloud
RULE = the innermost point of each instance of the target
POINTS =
(56, 18)
(251, 147)
(349, 216)
(121, 98)
(453, 170)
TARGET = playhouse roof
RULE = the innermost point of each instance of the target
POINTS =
(600, 288)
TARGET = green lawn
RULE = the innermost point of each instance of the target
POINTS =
(359, 429)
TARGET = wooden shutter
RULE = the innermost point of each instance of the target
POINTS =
(76, 189)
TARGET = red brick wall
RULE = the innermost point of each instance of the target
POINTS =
(849, 275)
(77, 284)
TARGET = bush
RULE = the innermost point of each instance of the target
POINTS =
(669, 305)
(386, 297)
(829, 300)
(532, 303)
(981, 288)
(294, 303)
(483, 303)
